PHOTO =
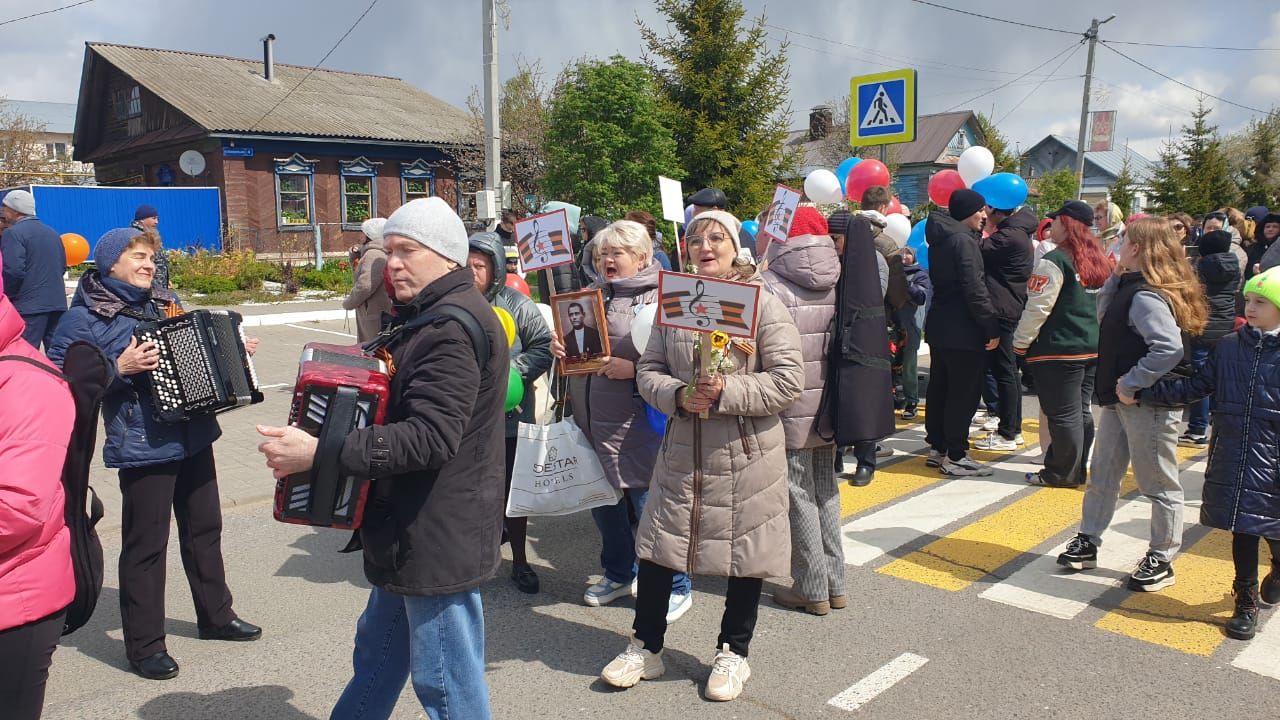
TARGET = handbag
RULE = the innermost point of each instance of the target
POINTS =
(556, 471)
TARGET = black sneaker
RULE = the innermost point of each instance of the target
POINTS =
(909, 412)
(525, 578)
(1193, 440)
(1152, 574)
(1081, 554)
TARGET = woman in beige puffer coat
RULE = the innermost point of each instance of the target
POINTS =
(718, 498)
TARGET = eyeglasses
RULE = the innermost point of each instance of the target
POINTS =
(1222, 217)
(714, 239)
(1179, 226)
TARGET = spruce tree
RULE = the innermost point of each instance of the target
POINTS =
(1122, 190)
(1261, 176)
(726, 97)
(1209, 183)
(998, 144)
(1168, 181)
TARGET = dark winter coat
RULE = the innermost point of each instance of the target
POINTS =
(919, 287)
(134, 436)
(434, 518)
(34, 262)
(1007, 259)
(1220, 274)
(531, 353)
(1241, 492)
(961, 316)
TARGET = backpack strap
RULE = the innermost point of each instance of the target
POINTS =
(52, 371)
(463, 316)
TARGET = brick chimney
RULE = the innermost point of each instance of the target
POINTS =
(820, 122)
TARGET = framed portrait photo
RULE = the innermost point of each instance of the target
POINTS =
(582, 327)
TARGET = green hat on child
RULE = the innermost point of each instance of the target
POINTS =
(1266, 284)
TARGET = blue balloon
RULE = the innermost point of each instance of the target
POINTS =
(657, 421)
(1003, 191)
(751, 226)
(916, 241)
(842, 170)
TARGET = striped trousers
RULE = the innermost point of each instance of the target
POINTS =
(817, 555)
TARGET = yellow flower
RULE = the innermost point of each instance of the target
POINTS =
(719, 340)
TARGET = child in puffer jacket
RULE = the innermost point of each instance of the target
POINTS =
(910, 319)
(1240, 490)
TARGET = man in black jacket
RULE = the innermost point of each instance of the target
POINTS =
(1007, 259)
(960, 326)
(434, 516)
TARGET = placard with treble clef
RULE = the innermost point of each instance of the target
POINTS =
(703, 304)
(544, 241)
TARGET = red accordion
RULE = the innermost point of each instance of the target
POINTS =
(339, 389)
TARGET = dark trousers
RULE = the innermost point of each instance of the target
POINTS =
(26, 652)
(1065, 389)
(955, 387)
(188, 492)
(40, 327)
(865, 452)
(1244, 552)
(1004, 371)
(515, 529)
(653, 593)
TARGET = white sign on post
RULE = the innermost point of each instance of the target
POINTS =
(776, 222)
(672, 197)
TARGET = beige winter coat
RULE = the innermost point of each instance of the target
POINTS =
(718, 499)
(368, 297)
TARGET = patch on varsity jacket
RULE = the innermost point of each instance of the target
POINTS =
(1037, 283)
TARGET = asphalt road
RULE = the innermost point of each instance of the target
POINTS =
(948, 597)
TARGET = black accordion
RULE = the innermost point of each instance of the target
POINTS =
(203, 368)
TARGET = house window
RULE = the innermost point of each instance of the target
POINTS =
(958, 143)
(55, 151)
(417, 180)
(359, 191)
(126, 106)
(295, 196)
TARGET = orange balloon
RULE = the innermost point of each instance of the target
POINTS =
(76, 247)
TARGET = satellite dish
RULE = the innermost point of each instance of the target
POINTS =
(191, 162)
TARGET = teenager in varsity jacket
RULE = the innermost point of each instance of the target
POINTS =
(1058, 336)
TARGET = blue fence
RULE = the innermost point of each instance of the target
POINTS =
(189, 217)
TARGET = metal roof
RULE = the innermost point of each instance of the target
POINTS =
(933, 134)
(1111, 161)
(57, 118)
(230, 95)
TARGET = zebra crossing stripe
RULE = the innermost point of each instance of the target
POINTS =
(1262, 654)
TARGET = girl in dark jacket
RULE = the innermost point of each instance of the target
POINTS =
(166, 469)
(1219, 271)
(1240, 490)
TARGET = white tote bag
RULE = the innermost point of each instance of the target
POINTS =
(556, 472)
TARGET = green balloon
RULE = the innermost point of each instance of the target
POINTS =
(515, 390)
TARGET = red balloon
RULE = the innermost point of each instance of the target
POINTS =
(517, 283)
(942, 184)
(895, 206)
(865, 174)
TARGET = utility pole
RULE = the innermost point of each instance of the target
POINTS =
(493, 138)
(1092, 36)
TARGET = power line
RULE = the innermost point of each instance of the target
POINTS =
(1069, 48)
(1194, 47)
(1141, 64)
(316, 67)
(46, 12)
(996, 19)
(1037, 87)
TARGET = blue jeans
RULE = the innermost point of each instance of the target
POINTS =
(437, 640)
(1198, 412)
(618, 541)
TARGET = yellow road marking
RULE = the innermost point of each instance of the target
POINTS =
(1189, 615)
(890, 483)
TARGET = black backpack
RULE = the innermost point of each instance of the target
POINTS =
(85, 370)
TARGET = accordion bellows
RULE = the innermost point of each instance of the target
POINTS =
(204, 367)
(339, 389)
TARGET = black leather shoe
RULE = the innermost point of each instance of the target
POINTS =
(156, 667)
(862, 476)
(525, 578)
(236, 630)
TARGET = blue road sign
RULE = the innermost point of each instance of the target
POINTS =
(884, 108)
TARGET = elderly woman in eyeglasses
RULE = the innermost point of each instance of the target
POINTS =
(718, 497)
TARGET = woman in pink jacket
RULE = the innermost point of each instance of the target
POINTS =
(36, 582)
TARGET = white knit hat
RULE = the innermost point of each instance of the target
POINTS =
(20, 201)
(372, 228)
(433, 223)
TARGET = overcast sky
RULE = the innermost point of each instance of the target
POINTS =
(436, 45)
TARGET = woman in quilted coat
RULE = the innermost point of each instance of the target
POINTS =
(718, 498)
(1240, 489)
(36, 580)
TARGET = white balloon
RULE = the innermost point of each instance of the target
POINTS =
(642, 326)
(546, 315)
(975, 163)
(898, 227)
(822, 187)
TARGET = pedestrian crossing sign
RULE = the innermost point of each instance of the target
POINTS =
(884, 108)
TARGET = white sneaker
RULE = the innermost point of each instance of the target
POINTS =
(991, 424)
(605, 592)
(934, 459)
(996, 441)
(633, 665)
(964, 467)
(678, 606)
(980, 418)
(729, 674)
(1019, 440)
